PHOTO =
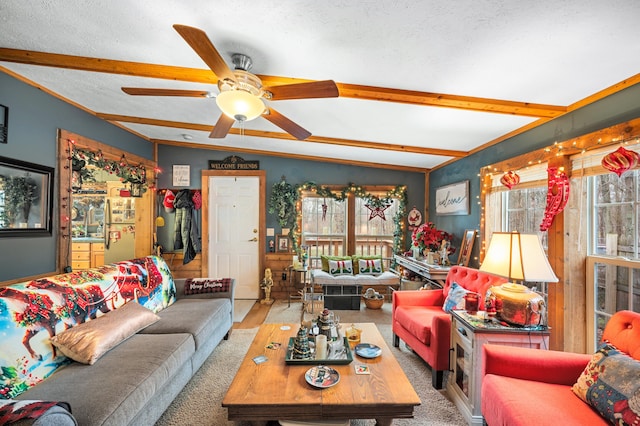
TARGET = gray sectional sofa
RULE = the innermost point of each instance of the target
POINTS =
(135, 382)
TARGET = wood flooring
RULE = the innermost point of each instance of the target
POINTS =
(255, 317)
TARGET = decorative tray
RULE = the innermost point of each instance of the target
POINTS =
(346, 357)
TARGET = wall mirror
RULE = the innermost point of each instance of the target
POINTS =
(26, 198)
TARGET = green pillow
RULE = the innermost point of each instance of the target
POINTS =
(356, 262)
(325, 261)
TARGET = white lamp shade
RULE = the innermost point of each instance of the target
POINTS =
(519, 257)
(240, 105)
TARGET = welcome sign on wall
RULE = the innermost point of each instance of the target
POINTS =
(453, 199)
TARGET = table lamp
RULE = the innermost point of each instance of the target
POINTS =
(518, 257)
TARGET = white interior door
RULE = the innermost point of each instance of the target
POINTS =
(234, 240)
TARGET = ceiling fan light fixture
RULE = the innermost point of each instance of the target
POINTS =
(240, 105)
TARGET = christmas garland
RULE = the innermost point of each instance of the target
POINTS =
(399, 193)
(126, 172)
(283, 202)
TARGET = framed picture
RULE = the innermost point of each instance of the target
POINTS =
(466, 247)
(26, 204)
(453, 199)
(181, 175)
(4, 124)
(282, 243)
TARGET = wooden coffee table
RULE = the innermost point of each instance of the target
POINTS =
(274, 390)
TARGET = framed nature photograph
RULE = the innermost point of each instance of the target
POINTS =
(283, 243)
(26, 198)
(453, 199)
(466, 247)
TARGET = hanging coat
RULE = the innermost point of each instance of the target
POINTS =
(186, 231)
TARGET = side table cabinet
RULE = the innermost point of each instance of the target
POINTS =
(468, 334)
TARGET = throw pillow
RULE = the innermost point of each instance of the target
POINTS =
(369, 266)
(356, 260)
(455, 298)
(206, 285)
(43, 412)
(325, 261)
(340, 267)
(87, 342)
(610, 384)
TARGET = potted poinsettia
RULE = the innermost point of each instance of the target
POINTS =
(427, 238)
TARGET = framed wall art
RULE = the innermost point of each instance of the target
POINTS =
(4, 124)
(26, 198)
(283, 243)
(181, 175)
(453, 199)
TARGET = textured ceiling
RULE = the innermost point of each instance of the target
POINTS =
(553, 53)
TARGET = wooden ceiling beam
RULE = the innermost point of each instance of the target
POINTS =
(285, 136)
(214, 147)
(195, 75)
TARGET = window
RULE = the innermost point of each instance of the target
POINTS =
(324, 226)
(374, 228)
(613, 267)
(350, 225)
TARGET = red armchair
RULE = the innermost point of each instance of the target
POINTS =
(419, 320)
(523, 386)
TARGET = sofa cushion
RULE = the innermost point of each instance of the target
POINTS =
(87, 342)
(368, 266)
(324, 260)
(198, 317)
(123, 382)
(385, 278)
(207, 285)
(341, 267)
(517, 402)
(455, 298)
(325, 278)
(417, 320)
(379, 266)
(610, 383)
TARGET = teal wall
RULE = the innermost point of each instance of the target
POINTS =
(34, 120)
(35, 117)
(614, 109)
(295, 172)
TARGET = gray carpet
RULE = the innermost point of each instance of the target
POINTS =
(200, 401)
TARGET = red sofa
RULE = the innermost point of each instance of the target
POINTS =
(420, 321)
(523, 386)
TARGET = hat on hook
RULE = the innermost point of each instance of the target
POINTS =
(197, 200)
(169, 196)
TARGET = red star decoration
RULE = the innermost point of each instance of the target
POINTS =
(377, 211)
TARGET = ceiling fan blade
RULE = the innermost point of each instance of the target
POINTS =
(285, 124)
(312, 89)
(199, 42)
(139, 91)
(222, 127)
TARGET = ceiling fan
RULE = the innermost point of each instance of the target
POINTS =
(242, 96)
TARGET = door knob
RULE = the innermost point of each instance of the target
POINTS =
(254, 239)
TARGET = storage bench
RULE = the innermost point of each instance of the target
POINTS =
(345, 291)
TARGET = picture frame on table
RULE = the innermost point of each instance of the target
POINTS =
(283, 243)
(466, 248)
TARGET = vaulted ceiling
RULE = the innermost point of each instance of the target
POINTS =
(420, 82)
